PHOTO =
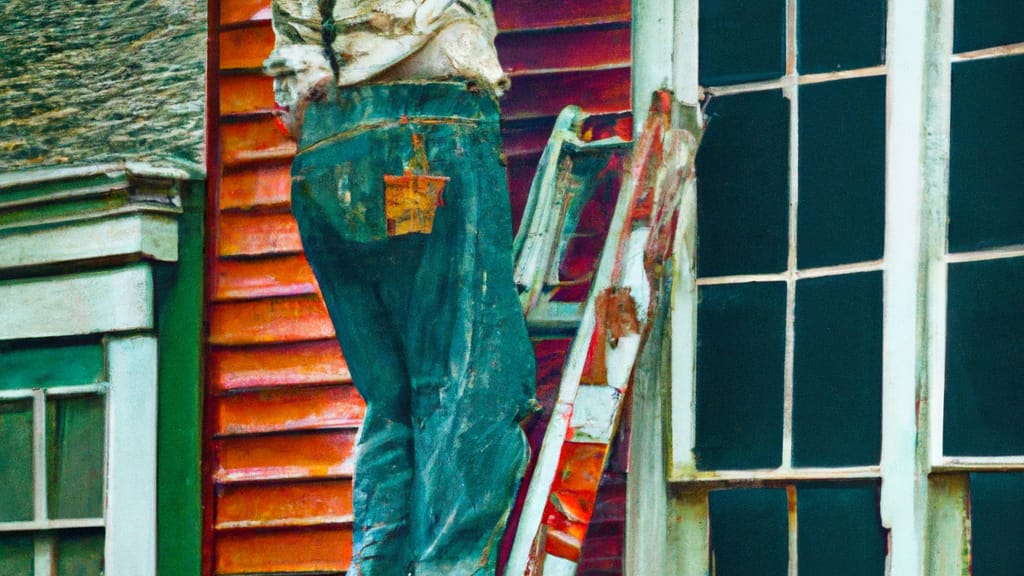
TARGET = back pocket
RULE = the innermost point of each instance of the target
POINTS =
(351, 201)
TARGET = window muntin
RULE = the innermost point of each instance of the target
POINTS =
(790, 228)
(52, 459)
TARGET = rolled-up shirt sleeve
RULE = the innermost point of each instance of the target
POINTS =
(298, 62)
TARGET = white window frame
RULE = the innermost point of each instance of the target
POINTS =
(924, 499)
(118, 303)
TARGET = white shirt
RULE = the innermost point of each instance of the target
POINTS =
(380, 40)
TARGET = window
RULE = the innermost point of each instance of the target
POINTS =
(977, 319)
(52, 429)
(845, 399)
(785, 451)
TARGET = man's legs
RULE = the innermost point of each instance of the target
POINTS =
(368, 335)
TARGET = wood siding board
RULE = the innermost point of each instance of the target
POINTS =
(244, 234)
(234, 12)
(288, 409)
(537, 14)
(546, 94)
(87, 303)
(255, 141)
(294, 550)
(531, 51)
(285, 456)
(245, 47)
(259, 186)
(270, 321)
(313, 362)
(246, 93)
(284, 501)
(263, 277)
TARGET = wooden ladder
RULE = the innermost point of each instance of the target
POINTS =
(627, 296)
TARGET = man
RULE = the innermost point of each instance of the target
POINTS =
(403, 210)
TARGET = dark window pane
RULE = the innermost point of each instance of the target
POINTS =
(986, 198)
(741, 345)
(839, 531)
(17, 552)
(987, 23)
(16, 460)
(997, 524)
(841, 216)
(985, 358)
(40, 367)
(840, 34)
(741, 41)
(80, 553)
(749, 532)
(75, 438)
(837, 371)
(742, 170)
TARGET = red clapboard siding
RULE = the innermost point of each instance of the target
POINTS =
(305, 550)
(238, 11)
(246, 47)
(263, 277)
(269, 321)
(564, 49)
(246, 93)
(284, 504)
(243, 234)
(519, 14)
(287, 409)
(284, 456)
(546, 94)
(257, 186)
(303, 364)
(257, 140)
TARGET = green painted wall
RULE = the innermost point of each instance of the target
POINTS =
(101, 80)
(179, 325)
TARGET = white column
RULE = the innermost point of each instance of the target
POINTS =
(131, 456)
(904, 481)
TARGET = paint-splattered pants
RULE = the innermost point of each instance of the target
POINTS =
(429, 323)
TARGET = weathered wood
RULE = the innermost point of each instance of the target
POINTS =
(87, 303)
(258, 140)
(288, 409)
(130, 235)
(281, 504)
(269, 321)
(288, 275)
(947, 547)
(258, 234)
(546, 94)
(260, 186)
(530, 52)
(314, 362)
(239, 11)
(537, 14)
(131, 456)
(284, 456)
(303, 550)
(246, 93)
(245, 47)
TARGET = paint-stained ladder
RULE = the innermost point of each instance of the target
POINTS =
(625, 298)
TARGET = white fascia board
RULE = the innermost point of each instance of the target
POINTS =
(88, 303)
(149, 235)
